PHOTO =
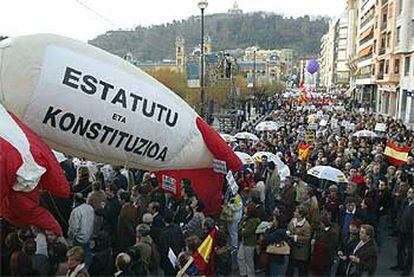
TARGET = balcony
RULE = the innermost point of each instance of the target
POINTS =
(368, 38)
(364, 76)
(365, 58)
(388, 78)
(366, 21)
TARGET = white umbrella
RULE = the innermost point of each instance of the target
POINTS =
(365, 134)
(246, 135)
(267, 126)
(328, 173)
(282, 168)
(245, 158)
(228, 138)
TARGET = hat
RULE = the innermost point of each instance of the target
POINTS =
(263, 226)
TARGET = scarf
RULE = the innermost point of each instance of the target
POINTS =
(77, 269)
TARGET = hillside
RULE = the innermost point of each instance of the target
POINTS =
(266, 30)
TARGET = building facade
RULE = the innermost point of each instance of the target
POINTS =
(366, 87)
(387, 63)
(404, 50)
(380, 54)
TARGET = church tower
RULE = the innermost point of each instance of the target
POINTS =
(180, 53)
(235, 10)
(208, 45)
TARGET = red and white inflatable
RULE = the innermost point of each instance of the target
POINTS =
(27, 166)
(86, 102)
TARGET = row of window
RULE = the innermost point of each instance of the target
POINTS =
(384, 66)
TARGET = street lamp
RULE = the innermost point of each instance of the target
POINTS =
(202, 5)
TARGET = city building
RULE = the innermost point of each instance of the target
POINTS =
(326, 59)
(366, 89)
(387, 63)
(404, 51)
(337, 53)
(353, 17)
(341, 76)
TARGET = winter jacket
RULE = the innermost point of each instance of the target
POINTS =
(301, 232)
(248, 230)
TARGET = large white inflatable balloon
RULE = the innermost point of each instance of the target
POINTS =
(86, 102)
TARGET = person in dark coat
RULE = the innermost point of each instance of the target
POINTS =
(171, 238)
(127, 222)
(111, 211)
(324, 250)
(348, 214)
(157, 220)
(347, 245)
(364, 257)
(405, 236)
(120, 180)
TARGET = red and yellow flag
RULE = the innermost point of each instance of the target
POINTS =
(202, 261)
(396, 155)
(304, 150)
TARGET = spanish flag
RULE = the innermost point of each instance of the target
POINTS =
(202, 261)
(396, 155)
(304, 150)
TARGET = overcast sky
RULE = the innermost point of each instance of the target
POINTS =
(71, 18)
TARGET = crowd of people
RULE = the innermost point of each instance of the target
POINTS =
(120, 223)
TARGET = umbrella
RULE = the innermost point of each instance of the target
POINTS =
(283, 169)
(328, 173)
(246, 135)
(228, 138)
(245, 158)
(365, 134)
(267, 126)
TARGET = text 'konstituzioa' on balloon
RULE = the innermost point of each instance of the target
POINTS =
(95, 131)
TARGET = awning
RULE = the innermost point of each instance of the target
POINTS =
(366, 51)
(367, 33)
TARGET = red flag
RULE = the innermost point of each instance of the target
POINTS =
(396, 155)
(20, 204)
(303, 151)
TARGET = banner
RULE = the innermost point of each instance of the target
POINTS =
(232, 183)
(219, 166)
(380, 127)
(193, 74)
(310, 137)
(250, 81)
(169, 184)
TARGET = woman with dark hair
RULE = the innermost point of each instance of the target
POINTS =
(182, 207)
(82, 184)
(245, 256)
(369, 213)
(195, 225)
(21, 265)
(223, 261)
(58, 260)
